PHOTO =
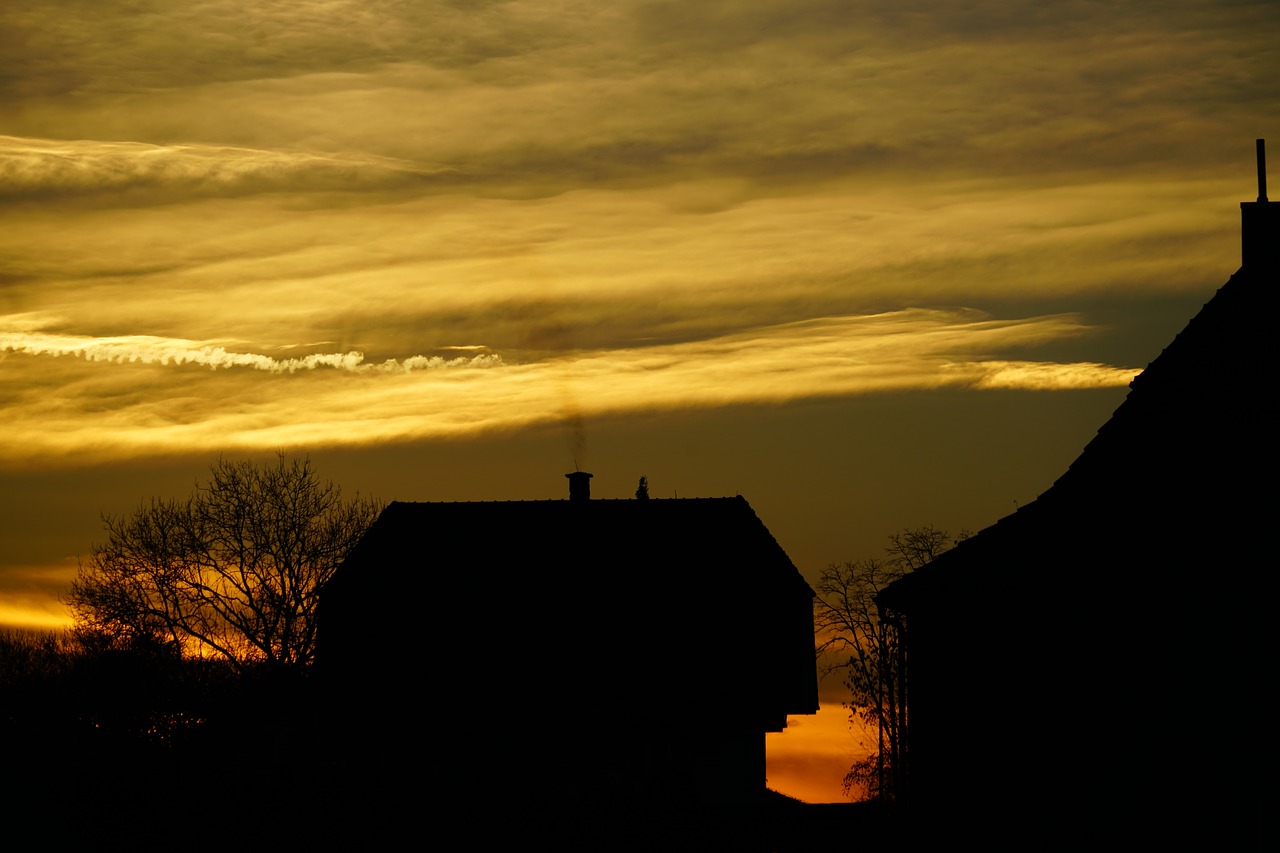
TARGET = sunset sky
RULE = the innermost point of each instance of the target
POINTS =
(868, 264)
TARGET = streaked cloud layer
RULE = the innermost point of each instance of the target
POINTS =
(145, 349)
(45, 168)
(230, 226)
(432, 397)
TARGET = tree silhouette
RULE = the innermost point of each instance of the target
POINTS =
(232, 571)
(863, 644)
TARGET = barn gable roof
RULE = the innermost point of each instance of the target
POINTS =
(1187, 440)
(694, 594)
(1179, 458)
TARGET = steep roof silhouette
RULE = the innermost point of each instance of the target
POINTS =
(1204, 403)
(1093, 659)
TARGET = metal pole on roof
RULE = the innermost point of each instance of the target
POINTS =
(1262, 169)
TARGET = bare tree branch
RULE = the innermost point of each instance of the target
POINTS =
(863, 645)
(234, 571)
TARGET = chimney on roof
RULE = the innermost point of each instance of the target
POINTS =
(1259, 223)
(579, 486)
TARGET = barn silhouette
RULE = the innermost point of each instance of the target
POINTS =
(567, 654)
(1092, 665)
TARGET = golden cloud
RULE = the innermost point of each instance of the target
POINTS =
(147, 349)
(131, 173)
(138, 395)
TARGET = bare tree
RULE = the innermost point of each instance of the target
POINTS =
(863, 645)
(233, 571)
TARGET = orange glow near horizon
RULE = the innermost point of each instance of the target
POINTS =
(809, 758)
